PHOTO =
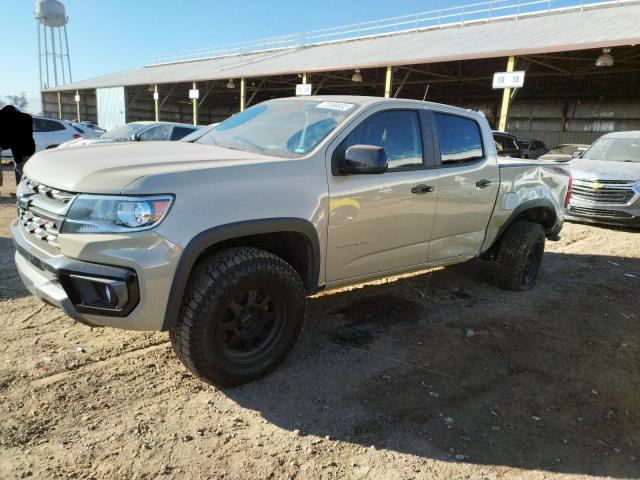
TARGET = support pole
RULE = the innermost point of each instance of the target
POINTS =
(388, 82)
(506, 98)
(304, 78)
(59, 106)
(78, 106)
(563, 123)
(243, 94)
(156, 99)
(194, 101)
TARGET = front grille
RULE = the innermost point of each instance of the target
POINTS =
(603, 191)
(41, 210)
(597, 212)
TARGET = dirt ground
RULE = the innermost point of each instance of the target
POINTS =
(437, 375)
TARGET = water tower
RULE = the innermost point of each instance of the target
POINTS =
(53, 48)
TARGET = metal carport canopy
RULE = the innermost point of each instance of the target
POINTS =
(593, 27)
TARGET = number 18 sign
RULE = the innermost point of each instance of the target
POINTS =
(508, 79)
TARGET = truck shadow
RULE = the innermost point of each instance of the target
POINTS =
(11, 286)
(444, 365)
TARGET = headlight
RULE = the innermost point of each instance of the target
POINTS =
(115, 214)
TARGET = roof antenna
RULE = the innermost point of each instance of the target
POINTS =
(425, 92)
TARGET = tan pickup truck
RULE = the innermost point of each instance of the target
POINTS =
(219, 241)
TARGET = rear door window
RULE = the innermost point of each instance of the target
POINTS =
(459, 138)
(156, 134)
(180, 132)
(44, 125)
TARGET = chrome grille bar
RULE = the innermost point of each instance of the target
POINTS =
(42, 209)
(603, 191)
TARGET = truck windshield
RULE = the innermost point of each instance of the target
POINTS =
(614, 150)
(282, 128)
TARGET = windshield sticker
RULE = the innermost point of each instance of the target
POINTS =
(339, 106)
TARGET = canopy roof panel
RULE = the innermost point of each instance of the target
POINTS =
(555, 31)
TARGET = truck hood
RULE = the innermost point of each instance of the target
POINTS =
(604, 170)
(109, 168)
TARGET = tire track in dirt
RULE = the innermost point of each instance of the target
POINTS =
(90, 367)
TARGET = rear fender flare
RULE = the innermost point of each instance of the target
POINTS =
(550, 227)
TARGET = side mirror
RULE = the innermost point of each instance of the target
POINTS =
(364, 159)
(135, 137)
(577, 154)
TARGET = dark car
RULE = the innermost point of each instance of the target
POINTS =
(507, 145)
(532, 148)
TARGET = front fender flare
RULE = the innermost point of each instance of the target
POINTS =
(208, 238)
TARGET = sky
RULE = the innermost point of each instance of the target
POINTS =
(106, 36)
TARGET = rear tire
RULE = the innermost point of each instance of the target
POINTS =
(241, 315)
(520, 255)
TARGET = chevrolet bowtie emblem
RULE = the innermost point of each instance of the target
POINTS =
(596, 185)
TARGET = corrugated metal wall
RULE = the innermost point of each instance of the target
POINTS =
(68, 104)
(579, 122)
(112, 107)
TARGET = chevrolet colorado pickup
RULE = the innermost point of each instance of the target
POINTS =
(219, 241)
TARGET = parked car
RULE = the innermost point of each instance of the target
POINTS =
(85, 131)
(93, 127)
(196, 134)
(219, 241)
(51, 132)
(606, 185)
(532, 148)
(507, 145)
(564, 153)
(139, 132)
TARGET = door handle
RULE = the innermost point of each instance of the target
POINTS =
(484, 183)
(422, 189)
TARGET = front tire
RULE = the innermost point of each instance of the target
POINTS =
(520, 255)
(241, 315)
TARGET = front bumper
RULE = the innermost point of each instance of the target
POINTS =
(617, 215)
(132, 295)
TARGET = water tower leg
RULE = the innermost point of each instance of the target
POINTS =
(64, 77)
(66, 42)
(55, 60)
(46, 54)
(39, 53)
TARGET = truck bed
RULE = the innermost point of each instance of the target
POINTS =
(521, 180)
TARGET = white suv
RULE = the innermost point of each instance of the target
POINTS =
(50, 132)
